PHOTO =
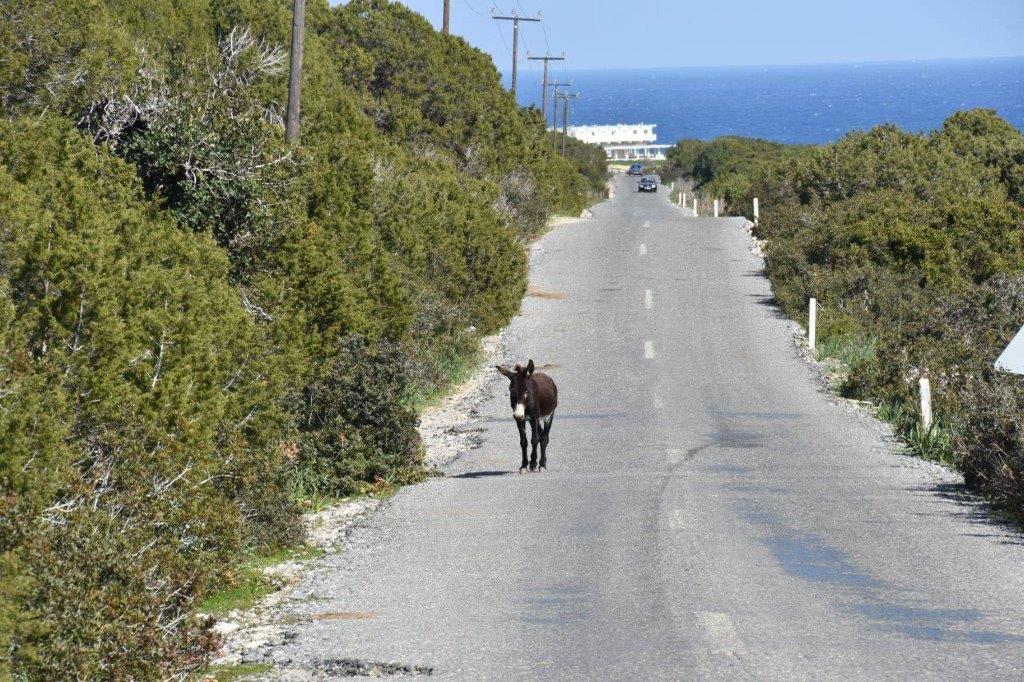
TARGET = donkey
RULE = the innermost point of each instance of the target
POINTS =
(534, 397)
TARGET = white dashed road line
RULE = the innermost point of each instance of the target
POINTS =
(643, 249)
(648, 299)
(721, 633)
(648, 350)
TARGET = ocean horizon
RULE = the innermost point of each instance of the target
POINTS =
(800, 104)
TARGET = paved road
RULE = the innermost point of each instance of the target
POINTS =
(708, 511)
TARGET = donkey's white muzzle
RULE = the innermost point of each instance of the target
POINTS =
(520, 411)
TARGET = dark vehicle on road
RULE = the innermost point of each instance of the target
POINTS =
(647, 184)
(636, 169)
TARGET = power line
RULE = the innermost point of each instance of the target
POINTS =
(544, 84)
(544, 30)
(534, 77)
(515, 19)
(502, 36)
(474, 10)
(554, 101)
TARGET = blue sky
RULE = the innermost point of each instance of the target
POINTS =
(667, 33)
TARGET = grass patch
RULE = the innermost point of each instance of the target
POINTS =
(455, 364)
(852, 350)
(934, 443)
(305, 487)
(238, 671)
(248, 584)
(897, 414)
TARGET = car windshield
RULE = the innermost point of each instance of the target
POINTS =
(647, 178)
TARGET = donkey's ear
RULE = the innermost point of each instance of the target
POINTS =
(504, 370)
(529, 368)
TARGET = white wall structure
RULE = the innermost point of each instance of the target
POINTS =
(623, 141)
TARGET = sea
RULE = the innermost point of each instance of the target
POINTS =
(793, 104)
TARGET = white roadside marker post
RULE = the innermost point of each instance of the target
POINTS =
(682, 199)
(812, 324)
(757, 212)
(926, 403)
(716, 208)
(695, 202)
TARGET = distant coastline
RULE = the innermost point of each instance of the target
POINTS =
(811, 103)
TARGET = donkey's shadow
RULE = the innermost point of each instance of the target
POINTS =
(482, 474)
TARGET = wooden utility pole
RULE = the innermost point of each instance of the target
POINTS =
(515, 19)
(554, 102)
(291, 129)
(565, 115)
(446, 26)
(544, 83)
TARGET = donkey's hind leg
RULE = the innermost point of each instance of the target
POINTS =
(545, 430)
(534, 440)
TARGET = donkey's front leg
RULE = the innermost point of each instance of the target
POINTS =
(521, 425)
(534, 439)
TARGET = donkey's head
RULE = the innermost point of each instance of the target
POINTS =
(518, 388)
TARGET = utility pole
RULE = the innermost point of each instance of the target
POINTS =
(515, 19)
(291, 129)
(447, 17)
(544, 83)
(565, 115)
(554, 102)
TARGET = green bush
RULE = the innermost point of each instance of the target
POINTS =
(729, 168)
(139, 430)
(356, 427)
(591, 160)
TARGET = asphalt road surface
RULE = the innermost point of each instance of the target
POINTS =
(708, 511)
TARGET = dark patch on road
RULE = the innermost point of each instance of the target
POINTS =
(354, 667)
(767, 416)
(722, 468)
(328, 617)
(733, 438)
(343, 615)
(897, 612)
(811, 558)
(533, 292)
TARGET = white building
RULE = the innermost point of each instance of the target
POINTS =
(623, 141)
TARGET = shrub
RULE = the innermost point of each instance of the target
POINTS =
(139, 429)
(356, 428)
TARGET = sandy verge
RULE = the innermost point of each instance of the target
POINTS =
(441, 426)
